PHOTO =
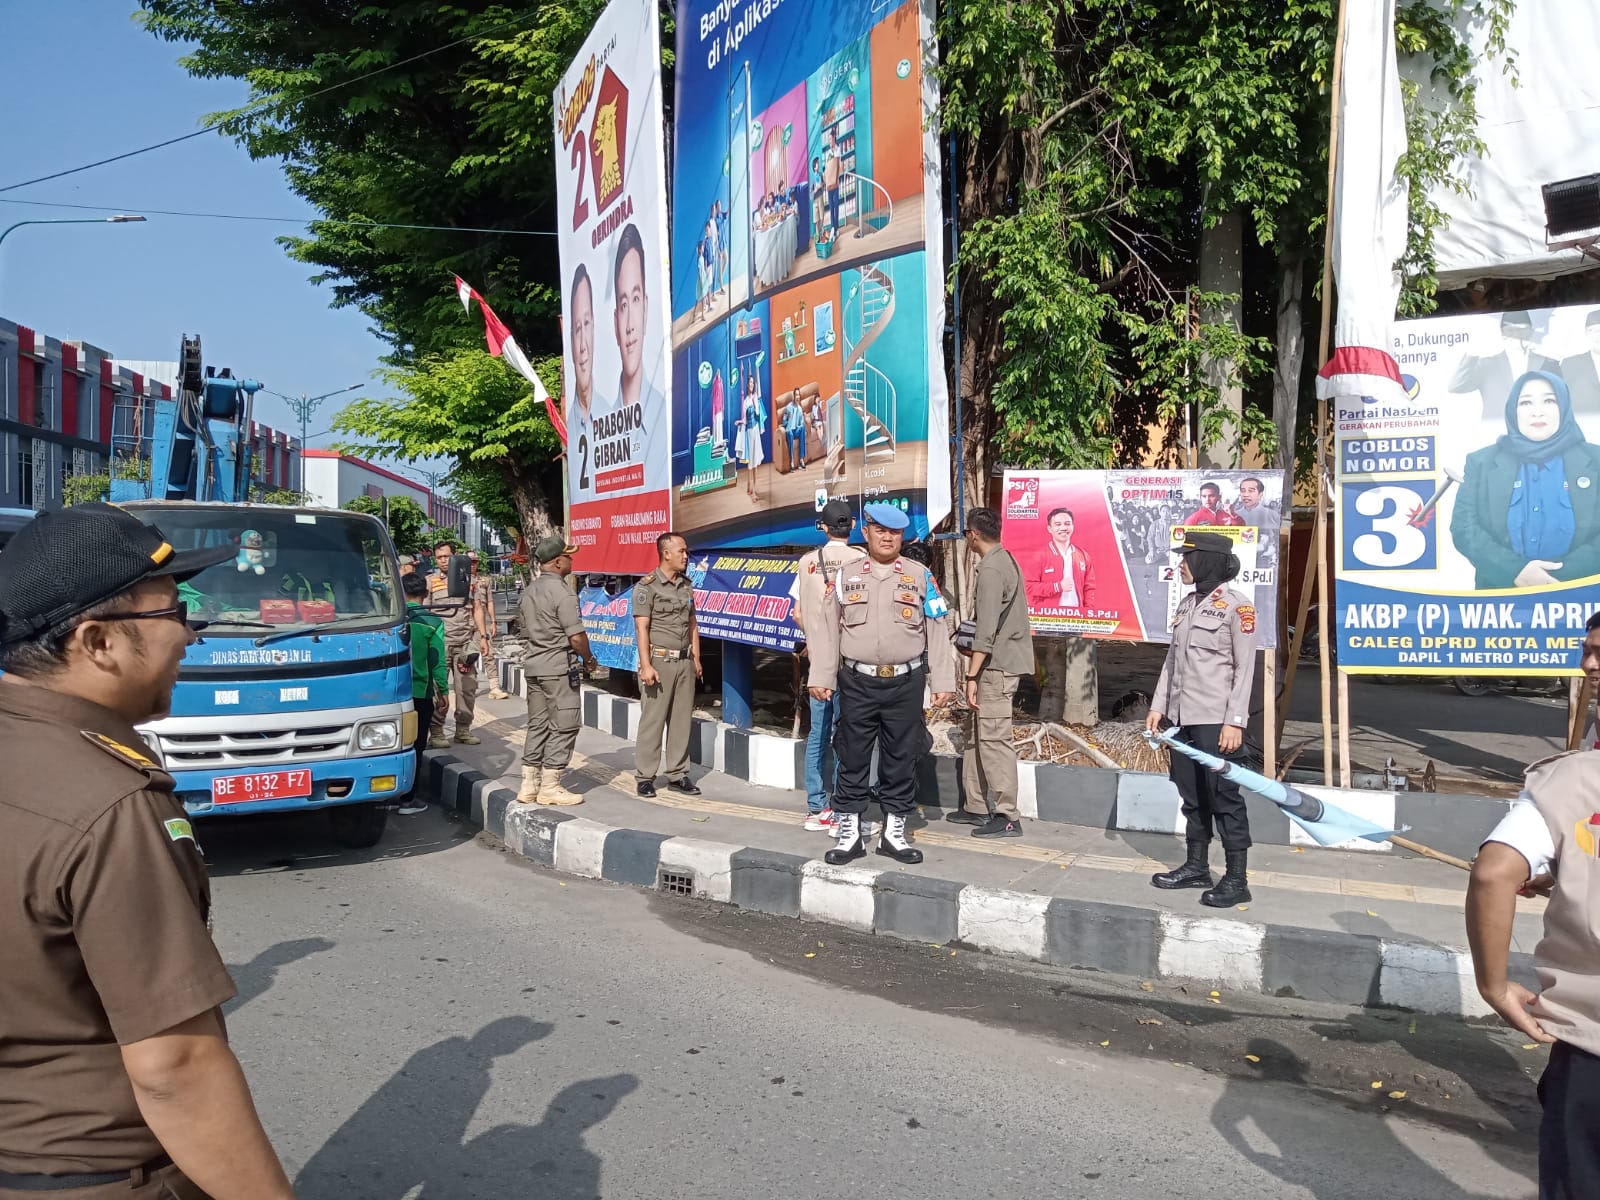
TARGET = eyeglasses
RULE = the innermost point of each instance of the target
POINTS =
(179, 613)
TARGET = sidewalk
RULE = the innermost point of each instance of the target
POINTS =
(1370, 929)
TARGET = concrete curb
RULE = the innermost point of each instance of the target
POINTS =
(1130, 801)
(1118, 939)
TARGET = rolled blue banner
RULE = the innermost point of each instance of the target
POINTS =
(1327, 823)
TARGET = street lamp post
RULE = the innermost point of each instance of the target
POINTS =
(119, 219)
(303, 406)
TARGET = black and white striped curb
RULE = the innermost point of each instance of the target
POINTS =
(1119, 939)
(1130, 801)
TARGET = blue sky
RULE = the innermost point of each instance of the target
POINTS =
(91, 84)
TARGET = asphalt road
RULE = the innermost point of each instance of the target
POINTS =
(436, 1019)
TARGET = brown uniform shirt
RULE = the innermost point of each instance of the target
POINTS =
(550, 618)
(1000, 612)
(1211, 662)
(460, 625)
(103, 940)
(670, 608)
(875, 613)
(817, 569)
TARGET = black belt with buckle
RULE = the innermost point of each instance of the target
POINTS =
(669, 655)
(62, 1183)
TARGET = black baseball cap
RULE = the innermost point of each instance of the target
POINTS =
(1216, 542)
(63, 563)
(836, 517)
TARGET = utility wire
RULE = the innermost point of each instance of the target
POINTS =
(211, 216)
(267, 101)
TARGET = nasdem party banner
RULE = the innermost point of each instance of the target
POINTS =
(1469, 516)
(807, 273)
(611, 224)
(1098, 549)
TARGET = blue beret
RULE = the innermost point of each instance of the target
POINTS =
(887, 515)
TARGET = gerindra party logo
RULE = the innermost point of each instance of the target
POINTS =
(608, 140)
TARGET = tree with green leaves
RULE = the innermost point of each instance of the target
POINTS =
(409, 527)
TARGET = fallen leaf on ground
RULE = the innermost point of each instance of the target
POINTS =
(1146, 986)
(811, 953)
(1397, 1095)
(1370, 913)
(1297, 849)
(1413, 1028)
(1106, 1043)
(1255, 1058)
(701, 820)
(1376, 1084)
(1150, 1021)
(1244, 908)
(1216, 995)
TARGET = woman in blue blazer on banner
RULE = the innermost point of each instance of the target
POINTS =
(1528, 514)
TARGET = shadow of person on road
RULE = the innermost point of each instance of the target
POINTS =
(1252, 1117)
(410, 1132)
(256, 976)
(549, 1160)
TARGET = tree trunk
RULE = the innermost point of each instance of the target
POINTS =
(533, 508)
(1291, 360)
(1222, 270)
(1071, 693)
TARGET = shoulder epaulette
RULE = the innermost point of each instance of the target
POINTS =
(137, 759)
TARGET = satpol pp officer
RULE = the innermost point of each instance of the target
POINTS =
(554, 630)
(669, 664)
(1205, 689)
(116, 1078)
(880, 637)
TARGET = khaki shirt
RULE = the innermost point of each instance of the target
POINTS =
(103, 941)
(817, 569)
(461, 625)
(1566, 791)
(550, 618)
(1211, 663)
(875, 613)
(669, 607)
(1000, 612)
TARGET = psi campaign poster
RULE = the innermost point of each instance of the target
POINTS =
(1469, 516)
(1098, 549)
(807, 268)
(611, 221)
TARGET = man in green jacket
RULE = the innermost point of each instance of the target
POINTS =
(430, 675)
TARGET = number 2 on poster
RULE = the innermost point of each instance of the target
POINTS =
(580, 156)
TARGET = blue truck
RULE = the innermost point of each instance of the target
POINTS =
(297, 694)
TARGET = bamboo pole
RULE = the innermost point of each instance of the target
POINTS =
(1429, 852)
(1344, 728)
(1580, 694)
(1269, 714)
(1307, 585)
(1323, 346)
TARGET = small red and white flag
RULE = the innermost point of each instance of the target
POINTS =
(503, 345)
(1369, 210)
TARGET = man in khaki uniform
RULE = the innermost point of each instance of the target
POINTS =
(1002, 652)
(1205, 688)
(815, 573)
(878, 641)
(116, 1078)
(669, 664)
(1549, 843)
(553, 628)
(465, 636)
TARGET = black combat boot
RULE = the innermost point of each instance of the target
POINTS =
(1234, 887)
(1195, 872)
(848, 843)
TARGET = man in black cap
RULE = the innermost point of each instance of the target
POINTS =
(554, 630)
(817, 570)
(116, 1078)
(1205, 689)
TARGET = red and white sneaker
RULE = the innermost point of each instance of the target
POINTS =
(820, 822)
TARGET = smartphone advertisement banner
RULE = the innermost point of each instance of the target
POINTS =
(611, 222)
(1099, 549)
(807, 270)
(1469, 516)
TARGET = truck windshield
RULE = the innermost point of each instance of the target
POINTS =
(294, 569)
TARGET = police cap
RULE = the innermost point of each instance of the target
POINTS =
(551, 548)
(64, 563)
(886, 515)
(1219, 543)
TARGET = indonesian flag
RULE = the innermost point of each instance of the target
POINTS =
(1369, 213)
(503, 345)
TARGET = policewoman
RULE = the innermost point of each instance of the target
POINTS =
(116, 1078)
(1205, 690)
(880, 639)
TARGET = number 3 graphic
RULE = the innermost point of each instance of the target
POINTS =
(1393, 540)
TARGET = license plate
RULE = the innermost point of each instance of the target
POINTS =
(268, 785)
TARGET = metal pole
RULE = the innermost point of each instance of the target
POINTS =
(119, 219)
(957, 434)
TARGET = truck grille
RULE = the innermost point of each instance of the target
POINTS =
(248, 748)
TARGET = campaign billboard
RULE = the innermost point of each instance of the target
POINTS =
(611, 224)
(1469, 516)
(807, 270)
(1099, 549)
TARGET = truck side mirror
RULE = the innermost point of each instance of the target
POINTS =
(460, 572)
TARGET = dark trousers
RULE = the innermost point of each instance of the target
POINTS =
(1209, 800)
(424, 707)
(886, 715)
(1569, 1135)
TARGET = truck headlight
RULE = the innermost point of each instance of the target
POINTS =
(378, 735)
